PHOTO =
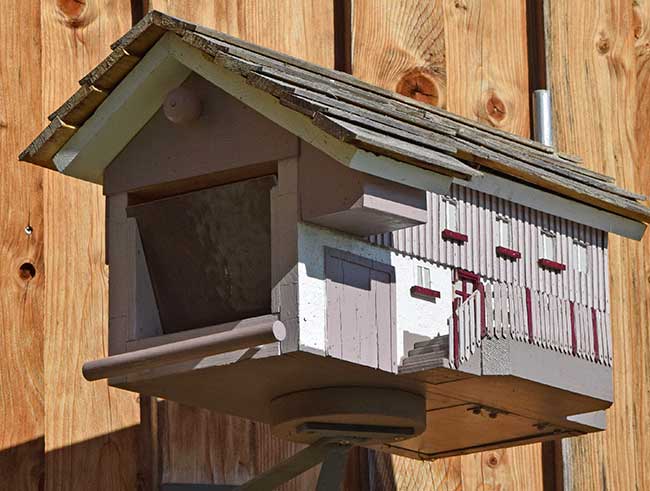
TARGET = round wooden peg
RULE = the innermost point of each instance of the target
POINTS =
(182, 106)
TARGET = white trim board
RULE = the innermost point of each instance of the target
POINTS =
(167, 64)
(124, 112)
(555, 205)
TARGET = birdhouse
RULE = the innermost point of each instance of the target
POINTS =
(289, 244)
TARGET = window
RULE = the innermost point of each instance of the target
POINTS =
(581, 258)
(449, 218)
(423, 277)
(548, 249)
(504, 232)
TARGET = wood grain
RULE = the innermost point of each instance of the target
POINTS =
(302, 28)
(87, 426)
(487, 73)
(21, 295)
(461, 55)
(600, 66)
(503, 469)
(200, 446)
(599, 60)
(400, 46)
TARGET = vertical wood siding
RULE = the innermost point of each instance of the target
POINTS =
(54, 424)
(478, 220)
(22, 313)
(599, 67)
(567, 308)
(599, 60)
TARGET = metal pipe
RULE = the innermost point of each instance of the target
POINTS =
(543, 117)
(266, 332)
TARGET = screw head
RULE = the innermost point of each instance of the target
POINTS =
(28, 230)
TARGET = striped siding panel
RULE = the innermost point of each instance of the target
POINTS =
(477, 214)
(506, 281)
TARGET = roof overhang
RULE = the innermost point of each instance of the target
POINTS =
(170, 61)
(384, 134)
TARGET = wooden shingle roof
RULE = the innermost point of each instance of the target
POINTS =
(351, 110)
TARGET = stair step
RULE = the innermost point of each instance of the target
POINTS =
(428, 349)
(435, 341)
(410, 360)
(416, 367)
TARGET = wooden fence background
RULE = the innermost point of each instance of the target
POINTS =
(470, 56)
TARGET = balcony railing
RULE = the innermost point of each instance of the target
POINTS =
(519, 313)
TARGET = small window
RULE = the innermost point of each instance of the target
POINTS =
(449, 216)
(423, 277)
(580, 256)
(504, 232)
(548, 247)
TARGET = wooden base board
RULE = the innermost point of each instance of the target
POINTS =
(245, 383)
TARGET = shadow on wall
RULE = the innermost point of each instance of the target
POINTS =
(108, 462)
(214, 447)
(314, 240)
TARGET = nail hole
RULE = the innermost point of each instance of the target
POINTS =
(27, 271)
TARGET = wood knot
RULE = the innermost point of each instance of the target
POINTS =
(74, 13)
(420, 84)
(603, 45)
(493, 461)
(460, 5)
(495, 108)
(27, 271)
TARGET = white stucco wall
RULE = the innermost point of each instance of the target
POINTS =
(416, 316)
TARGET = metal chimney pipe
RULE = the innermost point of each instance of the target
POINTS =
(542, 117)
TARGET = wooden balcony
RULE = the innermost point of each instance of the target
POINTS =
(503, 311)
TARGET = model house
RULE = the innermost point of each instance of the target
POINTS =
(289, 244)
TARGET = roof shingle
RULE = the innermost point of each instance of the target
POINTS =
(354, 111)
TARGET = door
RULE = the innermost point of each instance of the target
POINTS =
(360, 310)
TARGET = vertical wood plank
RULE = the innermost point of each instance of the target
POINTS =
(381, 291)
(232, 450)
(599, 59)
(301, 28)
(401, 46)
(87, 426)
(487, 73)
(355, 316)
(22, 288)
